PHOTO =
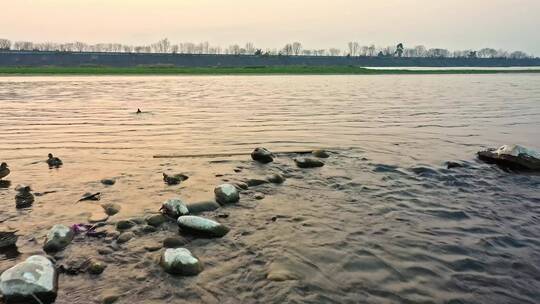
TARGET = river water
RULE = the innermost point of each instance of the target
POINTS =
(383, 221)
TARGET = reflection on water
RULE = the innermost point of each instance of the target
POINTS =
(383, 221)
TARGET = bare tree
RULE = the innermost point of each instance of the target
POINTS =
(287, 49)
(296, 48)
(5, 44)
(250, 48)
(487, 53)
(80, 46)
(334, 51)
(519, 55)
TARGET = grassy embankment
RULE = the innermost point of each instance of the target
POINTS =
(280, 70)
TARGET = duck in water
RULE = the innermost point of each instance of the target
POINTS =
(139, 111)
(8, 239)
(4, 170)
(54, 161)
(24, 198)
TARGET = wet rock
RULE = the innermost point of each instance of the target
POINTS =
(237, 170)
(262, 155)
(258, 196)
(96, 267)
(35, 277)
(223, 215)
(58, 238)
(226, 194)
(105, 251)
(201, 226)
(451, 164)
(125, 225)
(24, 197)
(180, 261)
(111, 209)
(513, 157)
(174, 179)
(320, 153)
(152, 248)
(149, 229)
(98, 217)
(276, 178)
(108, 181)
(110, 296)
(205, 206)
(306, 162)
(174, 208)
(253, 182)
(125, 237)
(174, 242)
(241, 186)
(156, 220)
(8, 239)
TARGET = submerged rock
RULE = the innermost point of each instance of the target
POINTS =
(108, 181)
(226, 194)
(174, 208)
(253, 182)
(320, 153)
(262, 155)
(258, 196)
(205, 206)
(111, 209)
(452, 164)
(512, 156)
(306, 162)
(58, 238)
(202, 226)
(34, 278)
(180, 261)
(276, 178)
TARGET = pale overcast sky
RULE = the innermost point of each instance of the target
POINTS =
(452, 24)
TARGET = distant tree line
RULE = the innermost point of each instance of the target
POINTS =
(353, 49)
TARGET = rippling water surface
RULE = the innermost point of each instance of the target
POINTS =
(383, 221)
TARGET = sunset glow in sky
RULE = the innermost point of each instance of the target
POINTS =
(452, 24)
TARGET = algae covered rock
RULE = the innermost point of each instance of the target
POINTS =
(180, 261)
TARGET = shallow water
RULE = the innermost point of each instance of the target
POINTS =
(382, 222)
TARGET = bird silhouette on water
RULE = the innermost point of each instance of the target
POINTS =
(139, 111)
(54, 161)
(8, 239)
(4, 170)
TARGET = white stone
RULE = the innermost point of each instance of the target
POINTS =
(516, 150)
(179, 255)
(175, 207)
(226, 194)
(202, 226)
(180, 261)
(34, 276)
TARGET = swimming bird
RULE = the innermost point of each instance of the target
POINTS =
(24, 198)
(8, 239)
(174, 179)
(139, 111)
(54, 161)
(4, 170)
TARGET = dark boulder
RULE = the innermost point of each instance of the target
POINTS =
(262, 155)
